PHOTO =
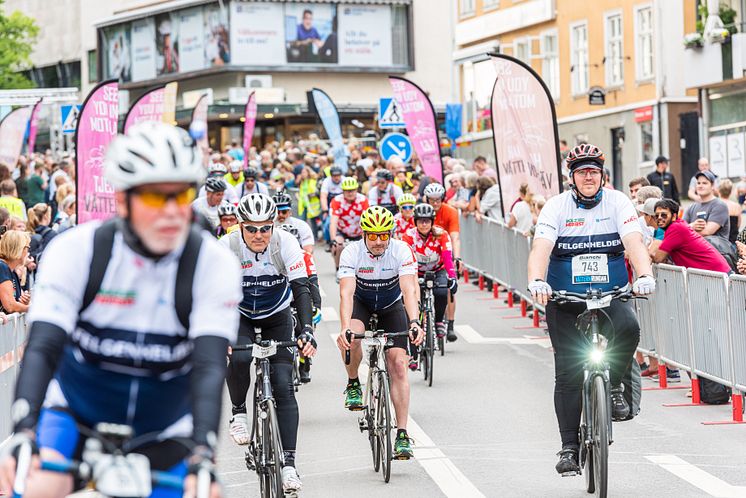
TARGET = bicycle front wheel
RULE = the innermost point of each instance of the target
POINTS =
(600, 435)
(371, 418)
(383, 425)
(430, 347)
(270, 479)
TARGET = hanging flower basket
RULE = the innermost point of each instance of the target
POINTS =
(693, 41)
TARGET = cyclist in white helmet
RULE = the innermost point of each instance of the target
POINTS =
(218, 170)
(127, 284)
(207, 206)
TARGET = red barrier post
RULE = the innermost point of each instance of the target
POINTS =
(524, 308)
(662, 377)
(737, 407)
(495, 289)
(510, 298)
(481, 282)
(466, 275)
(695, 391)
(536, 317)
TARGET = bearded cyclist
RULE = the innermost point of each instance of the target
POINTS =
(587, 219)
(375, 275)
(346, 209)
(403, 219)
(384, 193)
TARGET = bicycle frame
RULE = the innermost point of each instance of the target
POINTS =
(591, 370)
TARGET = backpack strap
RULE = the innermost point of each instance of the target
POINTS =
(103, 242)
(275, 253)
(185, 276)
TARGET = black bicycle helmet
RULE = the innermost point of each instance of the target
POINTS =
(250, 173)
(585, 155)
(424, 211)
(282, 200)
(216, 184)
(385, 174)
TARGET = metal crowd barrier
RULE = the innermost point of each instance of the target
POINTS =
(695, 321)
(12, 340)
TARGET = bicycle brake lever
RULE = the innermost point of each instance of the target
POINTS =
(348, 336)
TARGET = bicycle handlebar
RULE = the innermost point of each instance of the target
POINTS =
(264, 344)
(350, 335)
(578, 297)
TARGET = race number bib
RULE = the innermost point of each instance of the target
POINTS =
(590, 269)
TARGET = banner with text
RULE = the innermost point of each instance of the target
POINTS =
(524, 127)
(149, 107)
(419, 117)
(33, 126)
(199, 116)
(329, 117)
(97, 127)
(248, 127)
(12, 133)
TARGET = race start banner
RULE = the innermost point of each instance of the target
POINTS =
(419, 116)
(329, 117)
(249, 115)
(97, 127)
(12, 133)
(199, 115)
(148, 107)
(33, 126)
(524, 127)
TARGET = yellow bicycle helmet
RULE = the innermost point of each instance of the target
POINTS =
(377, 219)
(349, 183)
(406, 199)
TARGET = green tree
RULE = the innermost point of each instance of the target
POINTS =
(18, 34)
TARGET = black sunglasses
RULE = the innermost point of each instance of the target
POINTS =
(262, 229)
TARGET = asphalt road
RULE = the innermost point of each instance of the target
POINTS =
(487, 426)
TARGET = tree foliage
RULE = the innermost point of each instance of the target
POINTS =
(18, 34)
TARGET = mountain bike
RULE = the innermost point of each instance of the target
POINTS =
(264, 453)
(595, 433)
(376, 418)
(111, 466)
(432, 342)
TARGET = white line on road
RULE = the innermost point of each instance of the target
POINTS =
(473, 337)
(329, 314)
(695, 476)
(321, 291)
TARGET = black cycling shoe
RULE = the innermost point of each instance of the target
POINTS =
(619, 406)
(568, 463)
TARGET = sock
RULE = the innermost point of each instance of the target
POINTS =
(289, 458)
(353, 382)
(239, 409)
(450, 325)
(400, 433)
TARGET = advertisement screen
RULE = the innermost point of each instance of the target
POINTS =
(118, 62)
(217, 38)
(257, 34)
(167, 44)
(365, 35)
(143, 49)
(311, 33)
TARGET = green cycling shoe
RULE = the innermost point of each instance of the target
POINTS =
(353, 397)
(402, 447)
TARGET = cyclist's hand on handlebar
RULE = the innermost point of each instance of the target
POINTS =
(453, 286)
(416, 334)
(9, 453)
(540, 290)
(307, 342)
(342, 343)
(200, 465)
(644, 285)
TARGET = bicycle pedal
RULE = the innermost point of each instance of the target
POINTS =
(356, 408)
(572, 473)
(402, 457)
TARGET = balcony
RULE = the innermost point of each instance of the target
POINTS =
(715, 62)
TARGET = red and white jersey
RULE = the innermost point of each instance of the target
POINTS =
(310, 263)
(430, 251)
(348, 214)
(402, 225)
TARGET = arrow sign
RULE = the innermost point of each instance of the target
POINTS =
(396, 144)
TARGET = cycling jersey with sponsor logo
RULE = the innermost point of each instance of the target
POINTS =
(433, 253)
(588, 250)
(377, 278)
(304, 231)
(127, 358)
(387, 197)
(402, 225)
(348, 214)
(265, 289)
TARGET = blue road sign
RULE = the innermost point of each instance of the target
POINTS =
(389, 114)
(396, 144)
(70, 117)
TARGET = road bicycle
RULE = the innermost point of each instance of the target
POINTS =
(595, 433)
(376, 407)
(264, 453)
(432, 342)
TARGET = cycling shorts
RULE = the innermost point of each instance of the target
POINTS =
(348, 238)
(391, 319)
(278, 327)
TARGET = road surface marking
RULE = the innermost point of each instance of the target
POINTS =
(473, 337)
(329, 314)
(695, 476)
(321, 291)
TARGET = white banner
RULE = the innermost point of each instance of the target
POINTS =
(143, 49)
(118, 63)
(191, 40)
(257, 34)
(719, 156)
(365, 35)
(736, 159)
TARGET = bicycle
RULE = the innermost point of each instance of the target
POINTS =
(110, 465)
(264, 454)
(595, 434)
(432, 342)
(376, 418)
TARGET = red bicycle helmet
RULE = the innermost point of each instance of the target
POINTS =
(585, 155)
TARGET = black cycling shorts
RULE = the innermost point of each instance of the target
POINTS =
(278, 327)
(391, 319)
(347, 238)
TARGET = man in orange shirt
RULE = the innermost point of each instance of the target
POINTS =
(446, 217)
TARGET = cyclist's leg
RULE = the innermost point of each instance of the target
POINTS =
(440, 292)
(238, 377)
(394, 319)
(360, 317)
(168, 456)
(59, 440)
(626, 336)
(568, 368)
(451, 312)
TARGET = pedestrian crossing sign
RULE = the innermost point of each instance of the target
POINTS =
(389, 114)
(70, 117)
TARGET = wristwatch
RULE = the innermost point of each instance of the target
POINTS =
(414, 320)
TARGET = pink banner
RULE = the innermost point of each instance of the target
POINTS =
(33, 126)
(524, 128)
(199, 115)
(149, 107)
(419, 117)
(12, 132)
(248, 127)
(97, 127)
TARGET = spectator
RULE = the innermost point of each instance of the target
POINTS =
(17, 224)
(708, 216)
(664, 180)
(490, 204)
(236, 152)
(741, 190)
(647, 211)
(454, 185)
(479, 165)
(464, 194)
(36, 185)
(14, 249)
(734, 209)
(682, 243)
(66, 214)
(63, 173)
(483, 183)
(634, 186)
(537, 204)
(22, 182)
(309, 204)
(703, 165)
(10, 201)
(520, 216)
(607, 179)
(39, 221)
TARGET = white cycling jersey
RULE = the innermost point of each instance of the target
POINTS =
(377, 277)
(265, 289)
(231, 194)
(127, 357)
(304, 231)
(330, 187)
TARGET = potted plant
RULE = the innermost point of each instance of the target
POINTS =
(693, 40)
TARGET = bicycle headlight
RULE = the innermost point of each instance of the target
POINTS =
(597, 356)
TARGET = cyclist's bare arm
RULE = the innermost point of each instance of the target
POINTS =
(538, 261)
(346, 292)
(456, 243)
(637, 254)
(408, 285)
(333, 227)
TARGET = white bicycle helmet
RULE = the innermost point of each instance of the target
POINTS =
(217, 169)
(152, 152)
(435, 190)
(256, 208)
(226, 209)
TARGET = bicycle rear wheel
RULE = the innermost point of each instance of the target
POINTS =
(600, 433)
(442, 345)
(430, 347)
(371, 418)
(270, 477)
(383, 425)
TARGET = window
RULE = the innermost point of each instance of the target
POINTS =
(550, 63)
(644, 42)
(522, 50)
(466, 7)
(490, 4)
(479, 79)
(92, 66)
(614, 56)
(579, 58)
(646, 141)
